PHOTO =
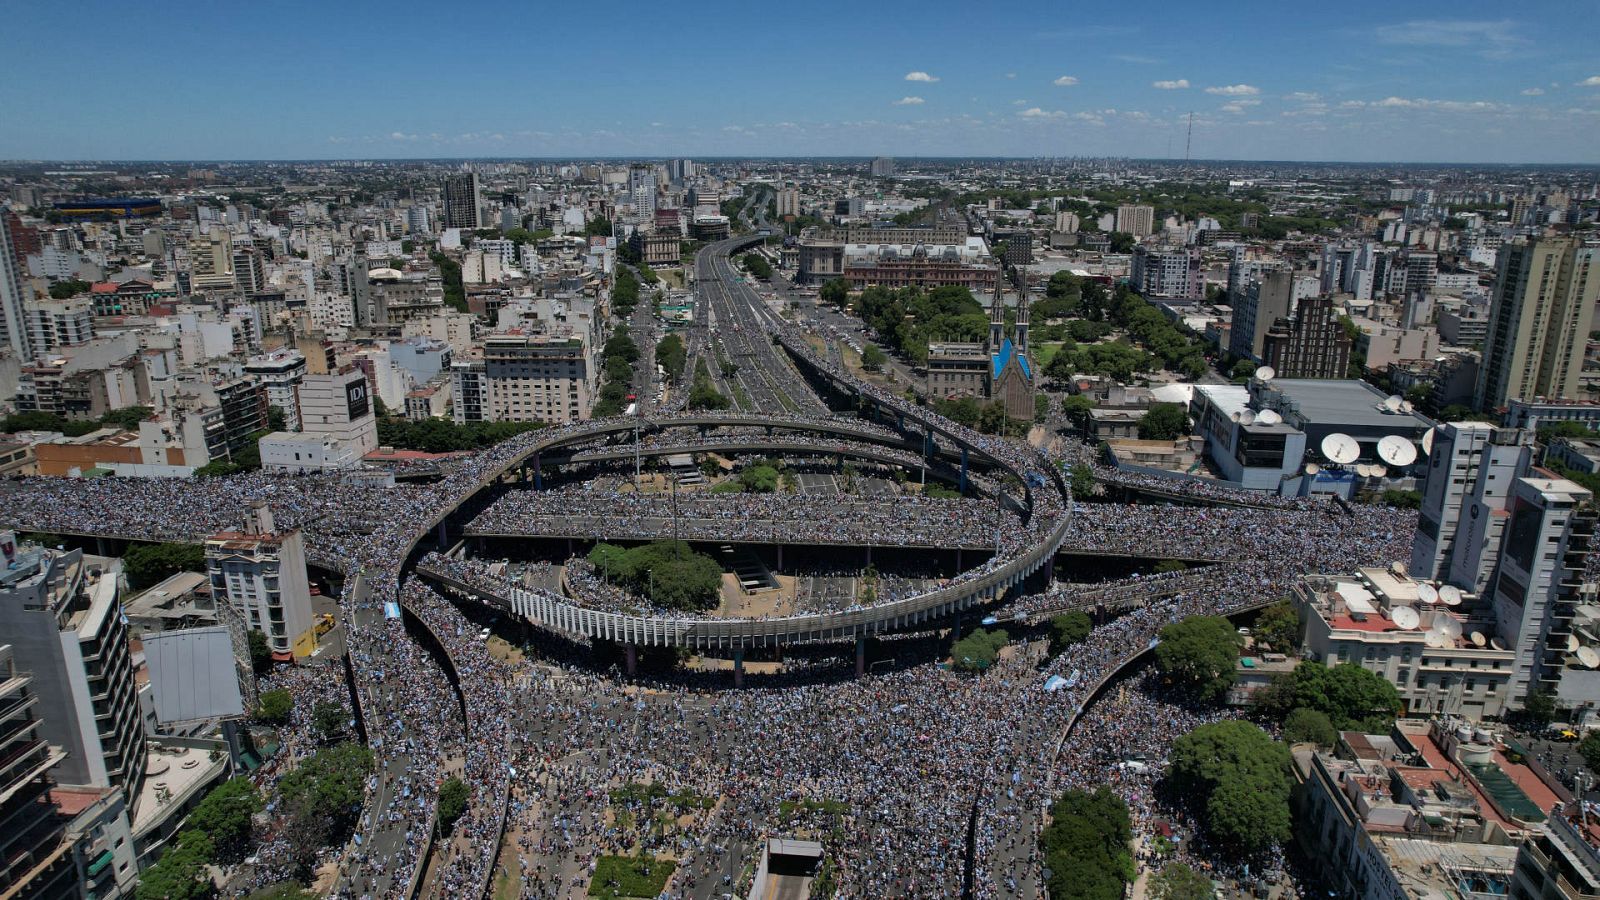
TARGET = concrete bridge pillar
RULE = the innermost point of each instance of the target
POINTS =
(738, 667)
(443, 535)
(630, 659)
(538, 474)
(861, 655)
(963, 486)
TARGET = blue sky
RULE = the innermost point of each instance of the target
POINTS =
(1361, 81)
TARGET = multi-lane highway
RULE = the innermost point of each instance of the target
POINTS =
(738, 324)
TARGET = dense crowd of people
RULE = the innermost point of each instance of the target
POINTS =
(921, 764)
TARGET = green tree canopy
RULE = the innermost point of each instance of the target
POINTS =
(224, 816)
(835, 292)
(873, 358)
(323, 794)
(1242, 774)
(1176, 881)
(1589, 749)
(670, 355)
(978, 650)
(1309, 726)
(1164, 422)
(1278, 627)
(668, 572)
(1086, 846)
(1199, 654)
(1350, 696)
(180, 873)
(1068, 629)
(148, 564)
(275, 707)
(260, 651)
(452, 802)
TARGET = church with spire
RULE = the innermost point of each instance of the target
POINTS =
(1010, 365)
(999, 369)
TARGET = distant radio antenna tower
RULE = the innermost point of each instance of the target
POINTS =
(1187, 141)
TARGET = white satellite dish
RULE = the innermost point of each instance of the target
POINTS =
(1392, 402)
(1450, 595)
(1428, 594)
(1405, 617)
(1340, 448)
(1427, 442)
(1495, 644)
(1572, 643)
(1588, 657)
(1312, 468)
(1377, 471)
(1406, 406)
(1397, 451)
(1266, 373)
(1247, 417)
(1235, 416)
(1435, 640)
(1362, 470)
(1450, 628)
(1268, 417)
(1477, 638)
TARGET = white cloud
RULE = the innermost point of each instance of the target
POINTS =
(1235, 90)
(1239, 106)
(920, 76)
(1011, 75)
(908, 101)
(1177, 85)
(1533, 92)
(1065, 81)
(1443, 105)
(1135, 59)
(1591, 81)
(1303, 96)
(1034, 112)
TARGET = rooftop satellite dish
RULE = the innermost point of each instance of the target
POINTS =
(1428, 594)
(1477, 638)
(1268, 417)
(1588, 657)
(1406, 406)
(1405, 617)
(1247, 417)
(1450, 628)
(1392, 402)
(1450, 595)
(1397, 451)
(1340, 448)
(1266, 373)
(1572, 643)
(1495, 644)
(1427, 442)
(1236, 416)
(1434, 639)
(1312, 468)
(1377, 471)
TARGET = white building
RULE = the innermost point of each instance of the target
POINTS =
(261, 572)
(339, 405)
(1472, 463)
(281, 372)
(301, 454)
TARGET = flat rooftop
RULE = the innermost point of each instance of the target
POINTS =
(1342, 402)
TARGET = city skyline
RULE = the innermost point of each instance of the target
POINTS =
(1473, 83)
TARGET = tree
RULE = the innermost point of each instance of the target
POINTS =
(323, 794)
(1041, 409)
(180, 873)
(599, 226)
(1163, 422)
(1540, 707)
(1076, 408)
(873, 358)
(1176, 881)
(148, 564)
(1589, 749)
(1068, 629)
(1278, 627)
(834, 292)
(1082, 481)
(670, 355)
(758, 266)
(287, 890)
(1167, 566)
(1309, 726)
(260, 651)
(1350, 696)
(1199, 654)
(71, 287)
(1086, 846)
(224, 815)
(670, 573)
(978, 650)
(275, 707)
(452, 802)
(328, 720)
(1122, 242)
(1243, 369)
(1241, 776)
